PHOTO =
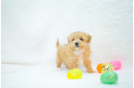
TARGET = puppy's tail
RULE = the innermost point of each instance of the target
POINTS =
(57, 44)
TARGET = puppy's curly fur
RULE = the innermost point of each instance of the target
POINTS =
(76, 53)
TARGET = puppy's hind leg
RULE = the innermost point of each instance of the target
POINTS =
(66, 66)
(72, 64)
(58, 62)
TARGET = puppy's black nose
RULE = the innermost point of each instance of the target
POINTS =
(76, 43)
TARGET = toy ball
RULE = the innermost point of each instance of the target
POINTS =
(109, 77)
(74, 74)
(107, 67)
(116, 64)
(99, 67)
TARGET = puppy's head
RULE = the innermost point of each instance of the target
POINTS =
(78, 40)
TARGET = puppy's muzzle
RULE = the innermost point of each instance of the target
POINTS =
(77, 44)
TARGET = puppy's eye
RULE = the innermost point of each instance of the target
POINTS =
(81, 39)
(72, 39)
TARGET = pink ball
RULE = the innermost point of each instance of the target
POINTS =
(116, 64)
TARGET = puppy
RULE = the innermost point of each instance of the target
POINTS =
(75, 53)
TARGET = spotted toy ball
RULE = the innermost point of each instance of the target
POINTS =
(74, 74)
(107, 67)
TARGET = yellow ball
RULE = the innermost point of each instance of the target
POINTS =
(74, 74)
(107, 67)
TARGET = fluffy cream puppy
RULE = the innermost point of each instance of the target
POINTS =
(76, 53)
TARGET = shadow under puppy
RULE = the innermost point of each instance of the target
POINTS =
(76, 53)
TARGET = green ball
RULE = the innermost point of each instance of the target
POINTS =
(109, 77)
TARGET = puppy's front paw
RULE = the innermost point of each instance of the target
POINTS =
(58, 66)
(91, 71)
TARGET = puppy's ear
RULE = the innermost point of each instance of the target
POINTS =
(68, 40)
(88, 38)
